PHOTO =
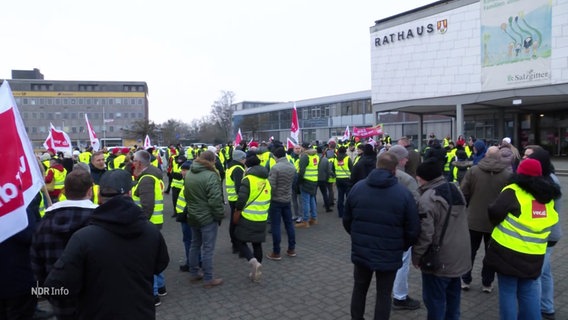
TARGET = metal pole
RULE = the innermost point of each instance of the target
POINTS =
(104, 128)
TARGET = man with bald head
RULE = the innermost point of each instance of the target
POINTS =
(481, 185)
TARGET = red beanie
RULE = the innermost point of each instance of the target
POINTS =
(125, 150)
(253, 144)
(115, 150)
(530, 167)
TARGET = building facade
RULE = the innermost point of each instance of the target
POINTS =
(496, 68)
(111, 107)
(319, 118)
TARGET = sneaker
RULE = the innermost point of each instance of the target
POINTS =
(313, 221)
(464, 286)
(162, 291)
(196, 278)
(548, 315)
(184, 268)
(255, 272)
(298, 219)
(157, 301)
(274, 256)
(487, 289)
(291, 253)
(406, 304)
(212, 283)
(328, 210)
(303, 224)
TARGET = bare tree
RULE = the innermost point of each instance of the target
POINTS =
(171, 131)
(222, 114)
(141, 128)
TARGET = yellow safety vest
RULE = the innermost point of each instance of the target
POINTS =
(189, 153)
(342, 168)
(529, 232)
(176, 168)
(181, 202)
(311, 173)
(85, 157)
(59, 177)
(450, 156)
(158, 214)
(118, 162)
(331, 179)
(41, 206)
(258, 202)
(232, 192)
(94, 197)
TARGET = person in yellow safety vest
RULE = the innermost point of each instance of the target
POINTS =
(181, 217)
(469, 146)
(147, 193)
(331, 153)
(155, 158)
(45, 159)
(360, 148)
(266, 158)
(190, 152)
(233, 179)
(85, 156)
(294, 158)
(308, 182)
(177, 178)
(251, 213)
(450, 157)
(55, 178)
(221, 156)
(446, 142)
(342, 166)
(523, 215)
(119, 162)
(227, 151)
(460, 165)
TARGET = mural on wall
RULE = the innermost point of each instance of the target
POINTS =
(515, 43)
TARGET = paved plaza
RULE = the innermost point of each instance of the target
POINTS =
(316, 284)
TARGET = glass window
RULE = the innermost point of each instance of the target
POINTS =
(118, 101)
(50, 116)
(65, 115)
(133, 115)
(139, 101)
(73, 129)
(81, 129)
(95, 115)
(140, 116)
(49, 101)
(25, 100)
(88, 101)
(73, 101)
(110, 115)
(133, 102)
(65, 101)
(126, 115)
(111, 128)
(80, 101)
(118, 115)
(74, 115)
(42, 129)
(34, 129)
(34, 115)
(57, 101)
(33, 102)
(42, 115)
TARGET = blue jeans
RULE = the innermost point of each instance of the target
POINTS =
(518, 298)
(203, 243)
(400, 287)
(186, 238)
(343, 188)
(282, 212)
(309, 206)
(159, 282)
(362, 278)
(546, 284)
(441, 296)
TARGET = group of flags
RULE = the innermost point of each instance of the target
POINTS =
(21, 177)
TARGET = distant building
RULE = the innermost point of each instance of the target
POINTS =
(111, 107)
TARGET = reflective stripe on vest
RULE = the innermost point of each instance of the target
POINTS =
(529, 232)
(176, 168)
(311, 173)
(181, 203)
(118, 162)
(230, 184)
(258, 201)
(450, 156)
(157, 215)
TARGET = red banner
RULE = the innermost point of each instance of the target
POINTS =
(368, 132)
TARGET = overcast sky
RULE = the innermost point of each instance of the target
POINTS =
(190, 51)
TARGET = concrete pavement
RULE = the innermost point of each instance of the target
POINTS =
(317, 284)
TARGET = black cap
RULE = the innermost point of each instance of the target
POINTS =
(115, 182)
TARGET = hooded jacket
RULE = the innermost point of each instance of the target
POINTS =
(203, 194)
(110, 264)
(61, 220)
(366, 164)
(433, 205)
(479, 151)
(480, 186)
(381, 217)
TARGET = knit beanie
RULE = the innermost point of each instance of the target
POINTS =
(530, 167)
(429, 169)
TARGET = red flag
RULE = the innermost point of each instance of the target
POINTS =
(95, 143)
(290, 144)
(20, 177)
(147, 143)
(346, 134)
(295, 128)
(58, 140)
(238, 138)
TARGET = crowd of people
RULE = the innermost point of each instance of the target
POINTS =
(96, 226)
